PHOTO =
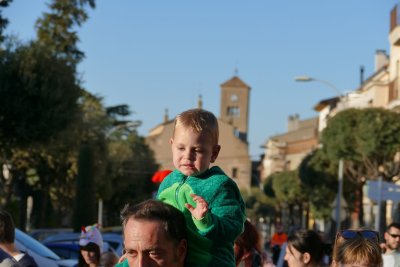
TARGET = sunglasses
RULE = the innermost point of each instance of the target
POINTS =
(366, 234)
(393, 235)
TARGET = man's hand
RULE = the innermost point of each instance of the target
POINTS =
(383, 247)
(201, 208)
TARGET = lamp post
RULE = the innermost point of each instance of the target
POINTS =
(310, 79)
(340, 167)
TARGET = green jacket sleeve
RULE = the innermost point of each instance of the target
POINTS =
(227, 213)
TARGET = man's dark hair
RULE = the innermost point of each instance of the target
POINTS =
(7, 227)
(394, 225)
(172, 219)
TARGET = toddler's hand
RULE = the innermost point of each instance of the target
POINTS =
(201, 208)
(122, 258)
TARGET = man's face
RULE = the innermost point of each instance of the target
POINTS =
(192, 152)
(147, 245)
(392, 237)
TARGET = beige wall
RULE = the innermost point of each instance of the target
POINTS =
(158, 140)
(286, 151)
(234, 154)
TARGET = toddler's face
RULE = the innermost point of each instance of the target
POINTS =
(192, 152)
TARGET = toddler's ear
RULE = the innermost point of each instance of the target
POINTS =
(215, 153)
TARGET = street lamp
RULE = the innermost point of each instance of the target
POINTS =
(340, 167)
(310, 79)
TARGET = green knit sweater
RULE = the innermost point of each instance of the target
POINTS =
(211, 239)
(122, 264)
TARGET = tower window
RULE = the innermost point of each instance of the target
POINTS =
(234, 172)
(233, 111)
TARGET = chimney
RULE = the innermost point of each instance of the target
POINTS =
(381, 59)
(166, 117)
(200, 102)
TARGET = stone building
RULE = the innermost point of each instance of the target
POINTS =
(233, 121)
(284, 152)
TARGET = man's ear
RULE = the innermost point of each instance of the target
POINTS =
(386, 236)
(215, 153)
(181, 250)
(171, 141)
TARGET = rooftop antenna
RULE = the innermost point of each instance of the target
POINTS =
(361, 75)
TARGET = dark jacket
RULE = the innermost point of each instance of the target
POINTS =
(27, 261)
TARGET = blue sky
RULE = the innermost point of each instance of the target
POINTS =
(154, 55)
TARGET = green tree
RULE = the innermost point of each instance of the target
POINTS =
(258, 204)
(38, 99)
(57, 167)
(287, 189)
(368, 141)
(3, 21)
(38, 95)
(319, 183)
(130, 170)
(57, 29)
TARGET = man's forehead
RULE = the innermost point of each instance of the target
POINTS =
(139, 227)
(394, 229)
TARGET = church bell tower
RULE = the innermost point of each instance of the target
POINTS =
(235, 98)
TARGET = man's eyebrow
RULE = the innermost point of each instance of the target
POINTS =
(155, 248)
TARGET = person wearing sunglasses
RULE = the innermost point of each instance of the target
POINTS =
(391, 255)
(304, 249)
(357, 248)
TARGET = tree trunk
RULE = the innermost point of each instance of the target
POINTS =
(85, 201)
(22, 194)
(43, 208)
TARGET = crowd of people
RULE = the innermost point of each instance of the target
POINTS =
(198, 219)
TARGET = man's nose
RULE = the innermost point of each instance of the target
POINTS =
(143, 262)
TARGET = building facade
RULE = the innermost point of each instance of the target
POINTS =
(284, 152)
